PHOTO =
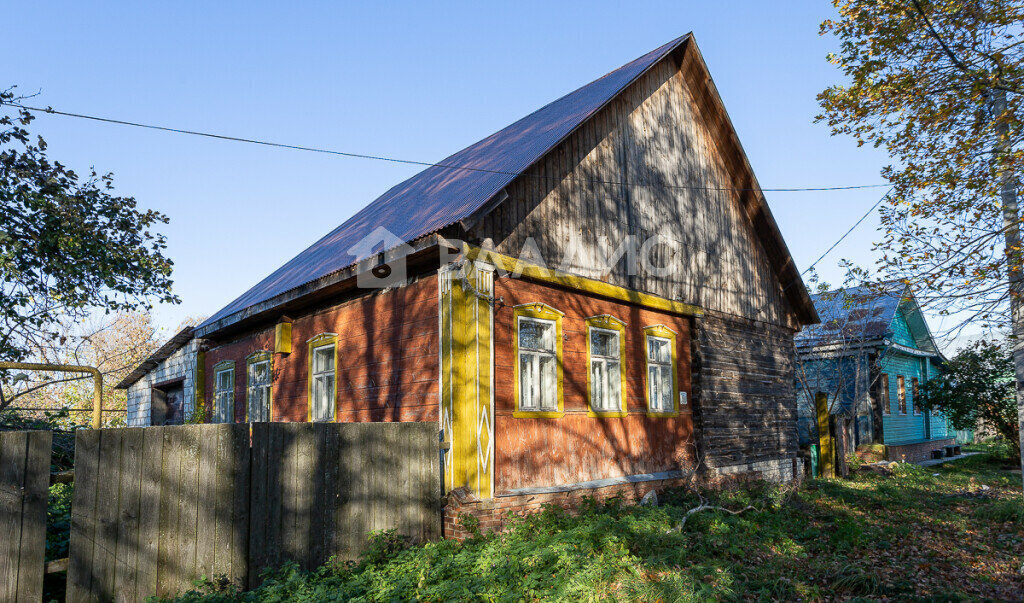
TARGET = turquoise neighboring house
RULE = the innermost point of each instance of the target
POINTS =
(871, 353)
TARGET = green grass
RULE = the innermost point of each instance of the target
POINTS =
(907, 535)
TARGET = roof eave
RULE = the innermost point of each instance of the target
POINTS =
(268, 307)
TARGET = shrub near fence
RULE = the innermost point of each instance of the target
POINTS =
(155, 508)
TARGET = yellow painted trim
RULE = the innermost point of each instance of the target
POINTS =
(200, 386)
(543, 312)
(321, 340)
(466, 381)
(607, 323)
(665, 333)
(259, 356)
(517, 267)
(283, 338)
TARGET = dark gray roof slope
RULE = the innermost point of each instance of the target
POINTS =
(440, 196)
(863, 313)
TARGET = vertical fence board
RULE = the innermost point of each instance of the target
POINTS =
(83, 515)
(240, 500)
(168, 564)
(129, 512)
(24, 479)
(149, 518)
(258, 503)
(33, 529)
(207, 522)
(107, 487)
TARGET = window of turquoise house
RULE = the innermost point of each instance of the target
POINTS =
(901, 394)
(913, 396)
(886, 409)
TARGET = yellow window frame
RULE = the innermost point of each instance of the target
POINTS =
(220, 367)
(251, 359)
(321, 340)
(665, 333)
(544, 312)
(607, 322)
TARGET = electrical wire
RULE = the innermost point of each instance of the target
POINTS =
(295, 147)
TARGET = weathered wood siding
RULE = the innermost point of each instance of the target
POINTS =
(24, 479)
(575, 448)
(666, 132)
(745, 407)
(387, 357)
(156, 508)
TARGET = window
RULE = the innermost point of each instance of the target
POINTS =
(606, 380)
(258, 369)
(539, 361)
(913, 396)
(322, 371)
(224, 392)
(884, 395)
(661, 372)
(901, 394)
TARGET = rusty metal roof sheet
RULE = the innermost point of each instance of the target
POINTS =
(440, 196)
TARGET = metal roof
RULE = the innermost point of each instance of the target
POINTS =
(863, 316)
(440, 196)
(173, 345)
(862, 313)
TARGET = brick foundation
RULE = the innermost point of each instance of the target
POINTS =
(912, 453)
(494, 514)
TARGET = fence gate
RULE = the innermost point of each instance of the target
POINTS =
(24, 486)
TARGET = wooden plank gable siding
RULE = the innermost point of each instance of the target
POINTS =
(668, 135)
(664, 133)
(386, 349)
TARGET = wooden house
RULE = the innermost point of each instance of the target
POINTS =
(588, 301)
(873, 347)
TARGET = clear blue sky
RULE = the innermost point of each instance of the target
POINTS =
(409, 80)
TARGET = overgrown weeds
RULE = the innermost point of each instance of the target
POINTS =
(910, 534)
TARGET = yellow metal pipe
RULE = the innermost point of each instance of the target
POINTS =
(97, 381)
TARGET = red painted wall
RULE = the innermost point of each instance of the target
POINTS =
(387, 358)
(575, 447)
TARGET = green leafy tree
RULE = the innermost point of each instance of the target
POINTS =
(69, 246)
(937, 84)
(976, 390)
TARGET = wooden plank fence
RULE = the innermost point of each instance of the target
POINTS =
(157, 507)
(24, 486)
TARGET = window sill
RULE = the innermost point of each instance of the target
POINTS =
(606, 414)
(656, 415)
(538, 414)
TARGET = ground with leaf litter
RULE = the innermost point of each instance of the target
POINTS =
(951, 532)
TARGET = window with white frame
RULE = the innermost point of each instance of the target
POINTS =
(322, 387)
(538, 365)
(224, 395)
(605, 374)
(659, 374)
(258, 380)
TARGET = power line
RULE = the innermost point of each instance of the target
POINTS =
(295, 147)
(847, 233)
